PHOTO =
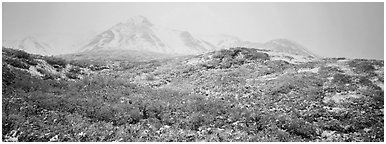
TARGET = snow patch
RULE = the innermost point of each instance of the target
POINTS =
(342, 66)
(340, 98)
(34, 72)
(304, 70)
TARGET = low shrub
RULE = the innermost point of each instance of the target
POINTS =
(76, 70)
(7, 75)
(72, 75)
(341, 79)
(150, 77)
(196, 120)
(297, 127)
(256, 55)
(364, 66)
(17, 63)
(219, 105)
(80, 63)
(21, 54)
(55, 62)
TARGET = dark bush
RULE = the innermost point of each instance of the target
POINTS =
(341, 78)
(22, 54)
(17, 63)
(278, 65)
(365, 82)
(248, 53)
(326, 71)
(42, 71)
(32, 62)
(72, 75)
(289, 57)
(339, 58)
(150, 77)
(80, 63)
(256, 55)
(363, 66)
(76, 70)
(197, 120)
(47, 75)
(297, 127)
(7, 75)
(55, 62)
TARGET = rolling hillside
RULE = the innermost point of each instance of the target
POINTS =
(237, 94)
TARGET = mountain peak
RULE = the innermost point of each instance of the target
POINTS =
(139, 20)
(289, 46)
(282, 41)
(29, 38)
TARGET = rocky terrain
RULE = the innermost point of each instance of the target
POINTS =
(236, 94)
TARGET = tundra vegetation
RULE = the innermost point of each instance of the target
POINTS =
(238, 94)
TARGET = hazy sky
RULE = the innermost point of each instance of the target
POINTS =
(354, 30)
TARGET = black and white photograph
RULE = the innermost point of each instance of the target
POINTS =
(192, 71)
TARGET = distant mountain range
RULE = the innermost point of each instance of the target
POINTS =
(30, 44)
(139, 34)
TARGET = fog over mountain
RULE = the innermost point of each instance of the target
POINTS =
(140, 34)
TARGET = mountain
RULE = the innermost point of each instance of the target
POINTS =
(138, 33)
(224, 41)
(30, 44)
(289, 47)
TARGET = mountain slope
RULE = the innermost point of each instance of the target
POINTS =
(236, 94)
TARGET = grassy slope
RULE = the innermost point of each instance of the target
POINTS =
(229, 95)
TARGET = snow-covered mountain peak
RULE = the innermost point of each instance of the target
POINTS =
(29, 38)
(138, 21)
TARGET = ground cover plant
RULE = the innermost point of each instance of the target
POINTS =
(238, 94)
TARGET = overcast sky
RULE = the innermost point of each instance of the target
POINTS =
(354, 30)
